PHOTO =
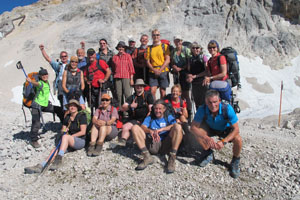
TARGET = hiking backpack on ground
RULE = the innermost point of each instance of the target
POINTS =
(233, 68)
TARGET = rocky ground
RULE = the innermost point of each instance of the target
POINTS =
(270, 167)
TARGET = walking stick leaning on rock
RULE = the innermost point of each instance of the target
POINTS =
(281, 88)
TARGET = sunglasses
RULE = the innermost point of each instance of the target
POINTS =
(196, 48)
(102, 43)
(105, 99)
(74, 61)
(212, 47)
(155, 35)
(64, 56)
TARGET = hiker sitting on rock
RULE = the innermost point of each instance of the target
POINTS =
(73, 83)
(74, 125)
(104, 125)
(159, 133)
(138, 106)
(41, 104)
(217, 119)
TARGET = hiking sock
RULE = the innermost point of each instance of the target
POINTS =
(44, 163)
(174, 151)
(61, 152)
(144, 150)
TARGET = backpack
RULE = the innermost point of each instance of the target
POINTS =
(29, 91)
(223, 88)
(233, 69)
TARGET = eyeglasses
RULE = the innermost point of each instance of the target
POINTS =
(105, 99)
(64, 56)
(73, 61)
(155, 35)
(102, 43)
(196, 48)
(212, 47)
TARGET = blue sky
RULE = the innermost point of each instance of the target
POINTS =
(8, 5)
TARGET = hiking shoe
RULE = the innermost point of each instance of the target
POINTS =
(122, 142)
(91, 149)
(34, 169)
(148, 160)
(209, 156)
(56, 163)
(98, 150)
(35, 144)
(171, 163)
(234, 167)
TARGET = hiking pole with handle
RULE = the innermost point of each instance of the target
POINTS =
(56, 149)
(281, 88)
(20, 66)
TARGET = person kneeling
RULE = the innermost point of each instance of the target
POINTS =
(104, 126)
(217, 119)
(74, 125)
(159, 133)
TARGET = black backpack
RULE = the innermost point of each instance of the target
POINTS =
(233, 68)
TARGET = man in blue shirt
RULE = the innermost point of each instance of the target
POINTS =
(217, 119)
(159, 133)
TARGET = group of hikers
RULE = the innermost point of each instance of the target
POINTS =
(104, 80)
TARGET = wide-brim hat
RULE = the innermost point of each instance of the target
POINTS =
(121, 44)
(139, 82)
(74, 101)
(43, 72)
(90, 52)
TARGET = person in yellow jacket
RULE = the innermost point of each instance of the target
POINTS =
(158, 59)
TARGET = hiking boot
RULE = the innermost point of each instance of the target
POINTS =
(91, 149)
(148, 160)
(171, 163)
(209, 156)
(35, 144)
(234, 167)
(98, 150)
(56, 163)
(34, 169)
(122, 142)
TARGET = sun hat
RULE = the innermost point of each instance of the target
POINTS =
(121, 43)
(139, 82)
(74, 101)
(43, 72)
(90, 52)
(105, 96)
(177, 37)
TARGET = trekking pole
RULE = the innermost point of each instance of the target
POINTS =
(56, 149)
(281, 88)
(20, 66)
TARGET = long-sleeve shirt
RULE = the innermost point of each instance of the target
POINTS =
(122, 66)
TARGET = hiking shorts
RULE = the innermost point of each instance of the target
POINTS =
(79, 143)
(212, 132)
(162, 80)
(112, 134)
(162, 147)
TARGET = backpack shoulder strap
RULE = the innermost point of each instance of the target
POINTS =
(99, 67)
(225, 112)
(163, 48)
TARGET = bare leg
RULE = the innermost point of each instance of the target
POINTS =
(176, 135)
(237, 146)
(126, 130)
(153, 91)
(103, 132)
(139, 136)
(94, 134)
(162, 92)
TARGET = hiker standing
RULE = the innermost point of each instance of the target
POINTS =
(123, 71)
(196, 73)
(139, 60)
(158, 59)
(75, 125)
(138, 107)
(159, 133)
(215, 71)
(82, 61)
(96, 74)
(58, 67)
(179, 62)
(41, 104)
(104, 125)
(217, 119)
(131, 46)
(73, 83)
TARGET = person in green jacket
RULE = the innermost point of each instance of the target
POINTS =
(41, 104)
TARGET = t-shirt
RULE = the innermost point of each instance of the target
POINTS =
(197, 66)
(182, 59)
(217, 123)
(159, 123)
(43, 94)
(176, 106)
(157, 57)
(140, 112)
(97, 73)
(80, 119)
(213, 66)
(107, 114)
